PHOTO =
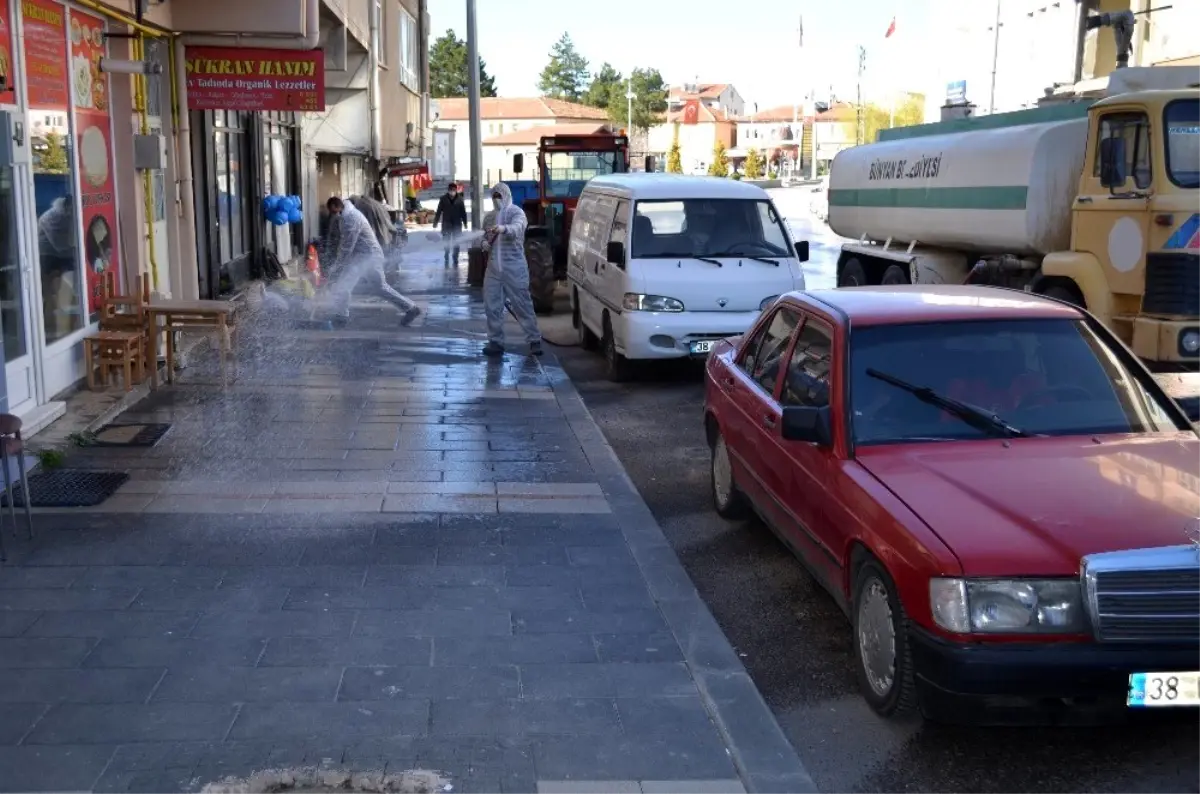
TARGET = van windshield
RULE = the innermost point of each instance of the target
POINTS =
(708, 228)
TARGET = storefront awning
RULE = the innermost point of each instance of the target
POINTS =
(405, 168)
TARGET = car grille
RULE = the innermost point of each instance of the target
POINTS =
(1172, 284)
(1132, 604)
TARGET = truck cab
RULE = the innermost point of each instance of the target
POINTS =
(1134, 259)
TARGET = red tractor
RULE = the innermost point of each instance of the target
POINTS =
(565, 164)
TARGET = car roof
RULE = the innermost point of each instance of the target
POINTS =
(920, 303)
(677, 186)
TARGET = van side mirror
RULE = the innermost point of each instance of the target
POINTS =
(807, 425)
(616, 253)
(802, 250)
(1112, 163)
(649, 166)
(518, 163)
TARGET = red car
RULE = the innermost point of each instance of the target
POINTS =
(991, 486)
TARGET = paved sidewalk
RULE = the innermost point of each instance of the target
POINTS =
(374, 551)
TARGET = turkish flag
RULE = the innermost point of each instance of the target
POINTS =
(691, 112)
(891, 29)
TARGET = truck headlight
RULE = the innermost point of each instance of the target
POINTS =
(766, 302)
(634, 302)
(1189, 342)
(1014, 606)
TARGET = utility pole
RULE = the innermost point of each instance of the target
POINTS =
(629, 96)
(995, 58)
(860, 113)
(473, 125)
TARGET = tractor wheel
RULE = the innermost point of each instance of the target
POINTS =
(540, 257)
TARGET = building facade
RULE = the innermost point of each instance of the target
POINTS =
(721, 97)
(778, 134)
(698, 129)
(143, 137)
(500, 117)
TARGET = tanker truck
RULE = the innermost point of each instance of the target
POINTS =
(1093, 202)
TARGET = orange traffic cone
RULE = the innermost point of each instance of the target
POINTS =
(314, 266)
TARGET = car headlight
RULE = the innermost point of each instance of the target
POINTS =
(1189, 342)
(1014, 606)
(634, 302)
(766, 302)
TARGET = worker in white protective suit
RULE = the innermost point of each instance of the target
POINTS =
(506, 279)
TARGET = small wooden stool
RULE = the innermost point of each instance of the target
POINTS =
(109, 350)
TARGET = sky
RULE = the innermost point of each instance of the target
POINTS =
(753, 45)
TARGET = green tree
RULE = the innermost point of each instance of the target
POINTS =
(674, 156)
(607, 88)
(753, 165)
(720, 163)
(566, 75)
(649, 100)
(448, 73)
(53, 159)
(910, 111)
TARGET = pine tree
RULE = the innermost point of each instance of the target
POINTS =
(448, 73)
(720, 163)
(649, 100)
(605, 90)
(53, 159)
(754, 164)
(674, 156)
(566, 75)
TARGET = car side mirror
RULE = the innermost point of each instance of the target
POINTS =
(802, 250)
(616, 253)
(1112, 163)
(808, 425)
(518, 163)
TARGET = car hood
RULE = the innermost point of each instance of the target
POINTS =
(737, 285)
(1036, 506)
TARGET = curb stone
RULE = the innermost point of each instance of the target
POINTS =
(761, 753)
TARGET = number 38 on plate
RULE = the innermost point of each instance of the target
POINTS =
(1164, 689)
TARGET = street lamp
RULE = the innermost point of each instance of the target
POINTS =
(629, 97)
(473, 125)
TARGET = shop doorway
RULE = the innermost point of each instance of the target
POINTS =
(16, 279)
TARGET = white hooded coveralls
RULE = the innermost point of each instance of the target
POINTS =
(507, 274)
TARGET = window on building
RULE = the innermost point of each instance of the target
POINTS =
(279, 129)
(410, 58)
(230, 165)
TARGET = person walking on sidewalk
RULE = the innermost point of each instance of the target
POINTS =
(506, 280)
(452, 212)
(358, 256)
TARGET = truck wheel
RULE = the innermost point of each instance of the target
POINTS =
(541, 274)
(894, 275)
(852, 274)
(882, 657)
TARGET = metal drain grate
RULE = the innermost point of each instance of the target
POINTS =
(66, 488)
(130, 435)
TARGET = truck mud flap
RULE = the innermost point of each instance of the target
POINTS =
(540, 257)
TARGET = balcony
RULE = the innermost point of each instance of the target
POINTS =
(283, 18)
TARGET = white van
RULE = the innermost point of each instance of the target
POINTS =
(664, 265)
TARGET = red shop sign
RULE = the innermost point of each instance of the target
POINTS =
(8, 95)
(241, 78)
(45, 45)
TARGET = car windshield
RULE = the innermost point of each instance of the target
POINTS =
(568, 172)
(708, 228)
(1035, 377)
(1183, 142)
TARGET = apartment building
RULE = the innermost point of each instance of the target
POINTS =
(142, 135)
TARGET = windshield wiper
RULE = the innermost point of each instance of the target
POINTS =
(976, 417)
(708, 259)
(748, 256)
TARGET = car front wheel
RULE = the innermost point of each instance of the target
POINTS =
(881, 650)
(727, 500)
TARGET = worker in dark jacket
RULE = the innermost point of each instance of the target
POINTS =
(452, 212)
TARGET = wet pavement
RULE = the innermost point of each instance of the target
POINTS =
(374, 550)
(796, 643)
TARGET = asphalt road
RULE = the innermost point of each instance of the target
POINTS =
(796, 643)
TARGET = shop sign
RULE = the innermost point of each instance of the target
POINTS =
(408, 168)
(241, 78)
(45, 46)
(8, 94)
(94, 145)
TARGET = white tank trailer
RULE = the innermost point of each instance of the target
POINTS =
(927, 208)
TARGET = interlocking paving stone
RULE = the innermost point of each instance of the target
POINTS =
(374, 548)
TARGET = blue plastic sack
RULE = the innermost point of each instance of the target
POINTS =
(279, 218)
(295, 216)
(270, 204)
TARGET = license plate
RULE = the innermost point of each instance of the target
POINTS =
(703, 347)
(1164, 689)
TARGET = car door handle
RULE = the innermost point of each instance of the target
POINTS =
(1084, 199)
(728, 382)
(769, 421)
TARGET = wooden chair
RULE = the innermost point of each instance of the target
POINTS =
(124, 341)
(12, 445)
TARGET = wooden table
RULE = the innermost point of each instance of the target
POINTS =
(199, 315)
